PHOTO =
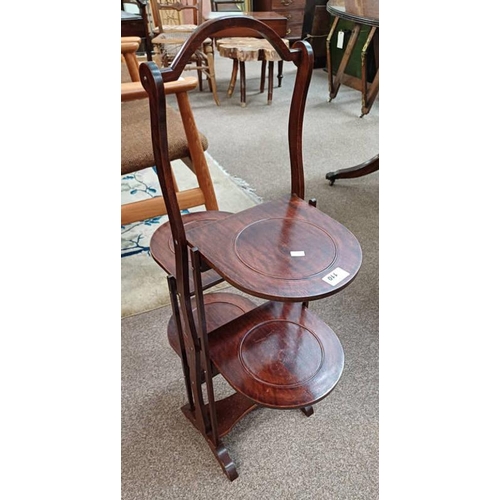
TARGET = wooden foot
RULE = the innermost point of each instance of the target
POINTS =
(229, 412)
(307, 411)
(225, 461)
(365, 168)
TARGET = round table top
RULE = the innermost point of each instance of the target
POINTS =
(341, 9)
(248, 49)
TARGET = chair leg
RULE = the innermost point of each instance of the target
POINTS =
(196, 151)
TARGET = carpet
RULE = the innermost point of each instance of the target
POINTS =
(143, 282)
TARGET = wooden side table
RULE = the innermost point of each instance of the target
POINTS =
(242, 49)
(340, 9)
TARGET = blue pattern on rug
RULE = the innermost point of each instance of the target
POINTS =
(136, 236)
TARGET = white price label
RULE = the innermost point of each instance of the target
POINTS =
(340, 40)
(298, 253)
(336, 276)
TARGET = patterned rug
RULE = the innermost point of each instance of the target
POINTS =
(144, 285)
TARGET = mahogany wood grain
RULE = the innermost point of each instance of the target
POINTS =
(229, 411)
(220, 309)
(280, 355)
(252, 250)
(163, 248)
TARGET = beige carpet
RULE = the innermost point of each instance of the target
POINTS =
(143, 282)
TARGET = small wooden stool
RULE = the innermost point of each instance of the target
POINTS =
(245, 49)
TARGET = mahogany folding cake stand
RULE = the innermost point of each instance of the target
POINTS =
(286, 252)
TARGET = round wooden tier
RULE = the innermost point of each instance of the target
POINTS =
(220, 308)
(162, 244)
(285, 250)
(280, 355)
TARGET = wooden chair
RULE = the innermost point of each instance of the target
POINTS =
(175, 20)
(279, 354)
(185, 141)
(237, 5)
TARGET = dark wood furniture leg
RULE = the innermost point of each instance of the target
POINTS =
(270, 83)
(334, 87)
(234, 75)
(329, 68)
(243, 85)
(263, 76)
(367, 95)
(148, 45)
(364, 168)
(280, 72)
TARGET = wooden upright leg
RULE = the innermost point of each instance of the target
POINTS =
(209, 54)
(345, 61)
(234, 75)
(329, 68)
(263, 75)
(172, 288)
(196, 151)
(370, 97)
(367, 96)
(270, 83)
(243, 85)
(280, 72)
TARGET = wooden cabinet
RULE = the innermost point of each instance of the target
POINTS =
(293, 10)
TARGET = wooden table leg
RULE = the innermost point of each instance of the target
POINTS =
(270, 83)
(212, 83)
(232, 82)
(370, 98)
(345, 61)
(329, 68)
(280, 72)
(366, 103)
(243, 89)
(263, 75)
